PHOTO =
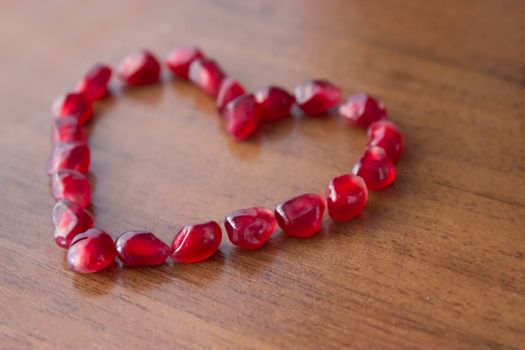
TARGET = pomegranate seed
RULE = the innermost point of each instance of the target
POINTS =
(180, 59)
(195, 243)
(250, 228)
(91, 251)
(95, 83)
(243, 116)
(230, 90)
(207, 75)
(301, 216)
(375, 168)
(139, 68)
(71, 185)
(276, 103)
(387, 135)
(73, 104)
(362, 110)
(346, 197)
(69, 219)
(316, 97)
(138, 248)
(68, 129)
(69, 155)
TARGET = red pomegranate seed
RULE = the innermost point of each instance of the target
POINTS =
(195, 243)
(207, 75)
(95, 83)
(139, 68)
(250, 228)
(387, 135)
(69, 219)
(346, 197)
(316, 97)
(243, 116)
(71, 185)
(301, 216)
(68, 129)
(375, 168)
(276, 103)
(180, 59)
(69, 155)
(91, 251)
(230, 90)
(138, 248)
(73, 104)
(362, 110)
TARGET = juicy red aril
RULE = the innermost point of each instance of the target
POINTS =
(94, 84)
(68, 129)
(69, 219)
(250, 228)
(91, 251)
(316, 97)
(207, 75)
(71, 185)
(386, 135)
(243, 116)
(275, 102)
(346, 197)
(194, 243)
(301, 216)
(362, 110)
(230, 90)
(139, 68)
(74, 104)
(180, 59)
(69, 155)
(375, 168)
(138, 248)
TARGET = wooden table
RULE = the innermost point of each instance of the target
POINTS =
(437, 261)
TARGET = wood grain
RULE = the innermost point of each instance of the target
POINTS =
(436, 262)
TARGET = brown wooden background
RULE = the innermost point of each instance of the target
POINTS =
(437, 261)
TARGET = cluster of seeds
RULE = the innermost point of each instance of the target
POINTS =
(91, 249)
